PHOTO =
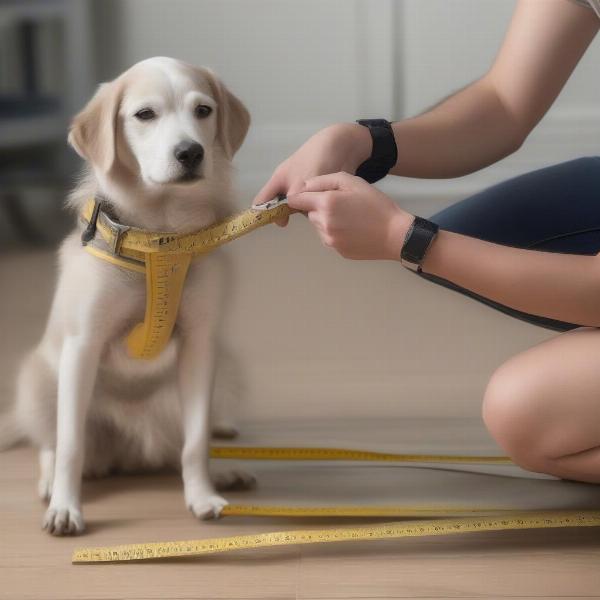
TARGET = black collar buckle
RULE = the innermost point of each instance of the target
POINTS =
(89, 233)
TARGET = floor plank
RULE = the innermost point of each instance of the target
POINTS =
(536, 564)
(539, 564)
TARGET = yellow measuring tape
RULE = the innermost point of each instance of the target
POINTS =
(164, 257)
(301, 453)
(291, 453)
(393, 530)
(485, 519)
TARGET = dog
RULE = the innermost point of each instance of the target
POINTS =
(158, 143)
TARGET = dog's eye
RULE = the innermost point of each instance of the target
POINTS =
(202, 111)
(145, 114)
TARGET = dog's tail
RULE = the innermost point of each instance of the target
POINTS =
(10, 432)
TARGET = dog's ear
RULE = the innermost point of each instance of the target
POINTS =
(93, 132)
(233, 119)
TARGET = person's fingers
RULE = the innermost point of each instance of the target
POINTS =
(304, 201)
(270, 190)
(324, 183)
(315, 218)
(294, 188)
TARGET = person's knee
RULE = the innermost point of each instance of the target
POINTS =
(510, 413)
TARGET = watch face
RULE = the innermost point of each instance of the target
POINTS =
(418, 239)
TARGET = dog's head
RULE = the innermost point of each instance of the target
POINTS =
(162, 122)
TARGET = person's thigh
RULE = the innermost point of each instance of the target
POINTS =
(555, 209)
(543, 406)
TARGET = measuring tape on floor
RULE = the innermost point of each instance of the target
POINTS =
(345, 454)
(270, 510)
(385, 531)
(464, 521)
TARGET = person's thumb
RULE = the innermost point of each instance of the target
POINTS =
(270, 190)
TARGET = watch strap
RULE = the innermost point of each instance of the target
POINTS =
(384, 153)
(417, 241)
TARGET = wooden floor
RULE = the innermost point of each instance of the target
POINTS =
(525, 564)
(536, 564)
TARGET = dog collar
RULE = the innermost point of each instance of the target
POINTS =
(164, 258)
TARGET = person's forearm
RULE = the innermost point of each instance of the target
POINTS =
(466, 132)
(558, 286)
(491, 118)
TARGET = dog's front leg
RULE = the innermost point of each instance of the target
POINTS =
(76, 377)
(196, 374)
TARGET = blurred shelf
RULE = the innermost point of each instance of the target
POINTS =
(12, 10)
(32, 130)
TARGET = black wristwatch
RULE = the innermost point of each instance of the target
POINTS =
(418, 239)
(384, 154)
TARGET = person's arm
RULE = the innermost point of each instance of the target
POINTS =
(493, 116)
(361, 222)
(565, 287)
(475, 127)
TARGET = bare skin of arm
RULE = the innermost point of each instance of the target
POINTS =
(558, 286)
(542, 405)
(492, 117)
(477, 126)
(540, 51)
(361, 222)
(468, 131)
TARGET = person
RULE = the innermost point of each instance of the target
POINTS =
(528, 246)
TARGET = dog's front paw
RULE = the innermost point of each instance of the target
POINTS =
(207, 507)
(63, 520)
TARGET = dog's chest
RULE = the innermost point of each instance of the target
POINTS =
(196, 312)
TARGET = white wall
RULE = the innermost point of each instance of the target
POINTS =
(319, 334)
(284, 58)
(300, 65)
(448, 43)
(297, 65)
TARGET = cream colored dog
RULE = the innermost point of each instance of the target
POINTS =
(158, 141)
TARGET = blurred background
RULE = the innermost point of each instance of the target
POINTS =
(317, 336)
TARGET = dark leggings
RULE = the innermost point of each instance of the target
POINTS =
(555, 209)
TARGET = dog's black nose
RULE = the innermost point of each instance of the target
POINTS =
(189, 154)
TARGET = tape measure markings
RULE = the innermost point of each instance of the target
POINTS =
(500, 519)
(393, 530)
(344, 454)
(270, 510)
(164, 257)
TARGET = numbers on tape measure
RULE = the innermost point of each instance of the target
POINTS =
(394, 530)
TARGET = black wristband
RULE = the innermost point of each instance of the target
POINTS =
(384, 154)
(416, 243)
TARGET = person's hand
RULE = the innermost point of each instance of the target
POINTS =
(339, 147)
(353, 217)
